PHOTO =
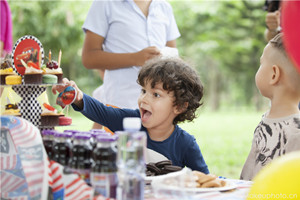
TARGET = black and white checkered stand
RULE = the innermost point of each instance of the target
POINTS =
(30, 108)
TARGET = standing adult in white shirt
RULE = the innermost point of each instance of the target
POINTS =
(121, 35)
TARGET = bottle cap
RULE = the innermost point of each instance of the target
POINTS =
(106, 138)
(96, 132)
(63, 134)
(82, 135)
(71, 131)
(132, 123)
(49, 132)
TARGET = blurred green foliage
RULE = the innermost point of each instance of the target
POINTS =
(57, 24)
(222, 39)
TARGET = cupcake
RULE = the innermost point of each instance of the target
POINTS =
(33, 73)
(13, 80)
(50, 115)
(12, 109)
(53, 68)
(64, 121)
(5, 70)
(49, 79)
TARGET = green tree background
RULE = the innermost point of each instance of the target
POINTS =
(222, 39)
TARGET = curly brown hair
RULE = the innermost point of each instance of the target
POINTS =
(177, 76)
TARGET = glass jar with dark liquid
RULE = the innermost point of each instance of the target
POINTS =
(81, 156)
(48, 141)
(104, 170)
(62, 148)
(94, 134)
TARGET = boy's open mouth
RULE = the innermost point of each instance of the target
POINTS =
(145, 114)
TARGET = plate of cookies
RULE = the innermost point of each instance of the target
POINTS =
(159, 169)
(187, 181)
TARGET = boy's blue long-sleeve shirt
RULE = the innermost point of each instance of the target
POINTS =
(181, 147)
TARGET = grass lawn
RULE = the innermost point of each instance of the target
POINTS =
(224, 137)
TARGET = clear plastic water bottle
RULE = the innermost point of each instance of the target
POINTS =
(130, 160)
(104, 170)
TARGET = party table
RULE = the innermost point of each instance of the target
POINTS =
(27, 172)
(239, 193)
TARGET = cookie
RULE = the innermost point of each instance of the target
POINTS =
(162, 167)
(64, 121)
(13, 80)
(199, 175)
(211, 184)
(49, 79)
(223, 183)
(202, 178)
(152, 167)
(171, 168)
(161, 164)
(149, 173)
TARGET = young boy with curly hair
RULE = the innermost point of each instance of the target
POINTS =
(171, 93)
(279, 130)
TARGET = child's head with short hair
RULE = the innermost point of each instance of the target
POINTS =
(285, 62)
(277, 71)
(178, 77)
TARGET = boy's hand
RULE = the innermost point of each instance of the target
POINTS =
(146, 54)
(66, 83)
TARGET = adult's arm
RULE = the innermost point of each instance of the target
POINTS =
(171, 43)
(93, 56)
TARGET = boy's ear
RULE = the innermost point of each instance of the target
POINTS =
(180, 109)
(276, 74)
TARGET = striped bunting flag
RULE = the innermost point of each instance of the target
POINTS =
(23, 165)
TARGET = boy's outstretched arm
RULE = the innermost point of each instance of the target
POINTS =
(66, 83)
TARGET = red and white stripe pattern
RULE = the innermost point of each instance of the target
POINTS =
(77, 189)
(56, 171)
(8, 161)
(9, 183)
(34, 172)
(74, 187)
(49, 173)
(25, 135)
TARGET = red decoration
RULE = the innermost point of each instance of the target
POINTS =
(291, 29)
(66, 97)
(28, 49)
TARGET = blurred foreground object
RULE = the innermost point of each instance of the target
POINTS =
(279, 179)
(23, 165)
(291, 29)
(6, 40)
